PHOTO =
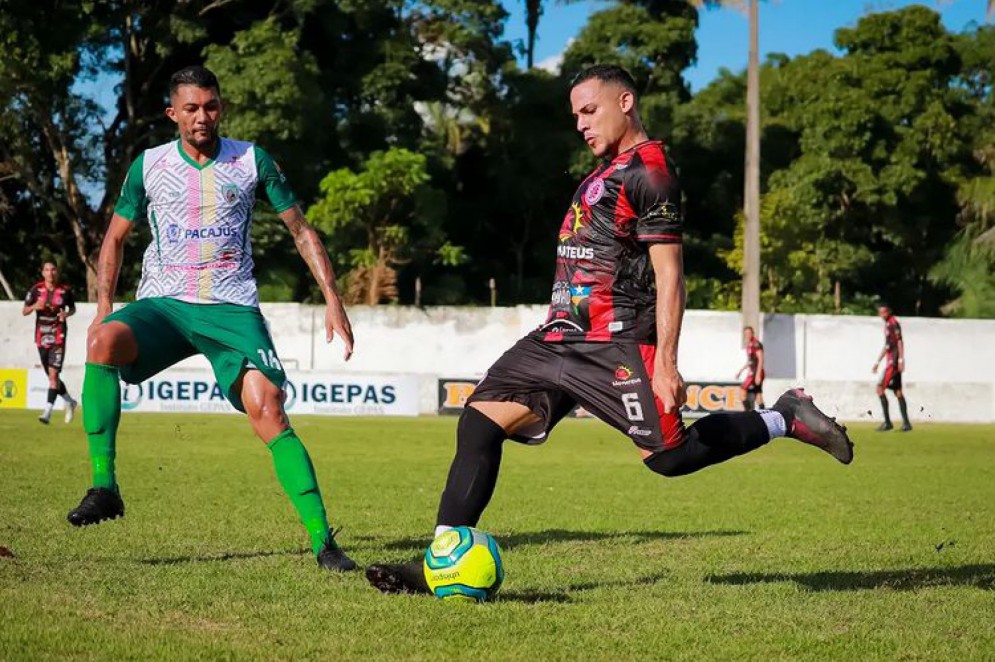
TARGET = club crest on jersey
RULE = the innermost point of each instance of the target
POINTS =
(595, 191)
(230, 193)
(173, 233)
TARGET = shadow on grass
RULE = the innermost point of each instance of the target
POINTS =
(228, 556)
(566, 594)
(417, 545)
(910, 579)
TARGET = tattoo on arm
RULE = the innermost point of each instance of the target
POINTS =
(311, 249)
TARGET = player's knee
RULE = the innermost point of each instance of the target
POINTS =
(101, 344)
(475, 430)
(665, 464)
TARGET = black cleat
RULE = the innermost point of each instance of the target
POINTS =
(398, 578)
(99, 504)
(331, 557)
(884, 427)
(807, 423)
(906, 427)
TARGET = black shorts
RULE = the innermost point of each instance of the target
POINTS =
(52, 357)
(754, 383)
(610, 380)
(891, 377)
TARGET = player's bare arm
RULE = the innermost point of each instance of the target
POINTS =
(901, 355)
(109, 265)
(313, 251)
(884, 352)
(668, 267)
(760, 361)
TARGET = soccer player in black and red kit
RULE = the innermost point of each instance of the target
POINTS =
(893, 354)
(51, 302)
(609, 342)
(753, 385)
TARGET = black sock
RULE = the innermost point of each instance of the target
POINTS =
(902, 407)
(51, 396)
(474, 470)
(748, 403)
(711, 440)
(62, 389)
(884, 408)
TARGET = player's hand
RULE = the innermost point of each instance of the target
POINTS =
(62, 316)
(901, 365)
(668, 385)
(875, 368)
(337, 322)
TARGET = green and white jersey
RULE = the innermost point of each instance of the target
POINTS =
(200, 216)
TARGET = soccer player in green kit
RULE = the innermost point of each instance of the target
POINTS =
(198, 296)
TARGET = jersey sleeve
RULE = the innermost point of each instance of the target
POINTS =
(655, 196)
(273, 182)
(133, 204)
(31, 297)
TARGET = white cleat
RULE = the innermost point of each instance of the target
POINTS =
(71, 410)
(45, 416)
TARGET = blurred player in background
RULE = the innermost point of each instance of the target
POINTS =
(198, 296)
(753, 385)
(893, 355)
(609, 342)
(51, 302)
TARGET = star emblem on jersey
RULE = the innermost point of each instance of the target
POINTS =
(578, 293)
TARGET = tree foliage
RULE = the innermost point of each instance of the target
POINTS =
(422, 151)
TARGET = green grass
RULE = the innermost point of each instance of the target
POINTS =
(783, 554)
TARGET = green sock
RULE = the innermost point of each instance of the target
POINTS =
(101, 414)
(296, 474)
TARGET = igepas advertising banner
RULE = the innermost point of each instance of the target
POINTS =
(326, 393)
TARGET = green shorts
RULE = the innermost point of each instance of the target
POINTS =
(231, 337)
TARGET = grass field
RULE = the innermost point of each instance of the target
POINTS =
(783, 554)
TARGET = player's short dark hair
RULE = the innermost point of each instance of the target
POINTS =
(606, 73)
(194, 75)
(749, 328)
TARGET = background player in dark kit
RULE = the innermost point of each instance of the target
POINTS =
(893, 354)
(609, 342)
(52, 303)
(753, 385)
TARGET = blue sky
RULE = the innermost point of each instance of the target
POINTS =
(786, 26)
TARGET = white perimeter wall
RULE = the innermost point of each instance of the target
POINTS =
(950, 364)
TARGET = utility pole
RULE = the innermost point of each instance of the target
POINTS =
(751, 188)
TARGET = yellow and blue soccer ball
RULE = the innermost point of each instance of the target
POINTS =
(464, 564)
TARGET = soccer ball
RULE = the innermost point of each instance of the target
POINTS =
(464, 564)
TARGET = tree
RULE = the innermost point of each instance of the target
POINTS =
(382, 217)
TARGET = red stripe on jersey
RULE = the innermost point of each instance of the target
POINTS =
(671, 425)
(654, 158)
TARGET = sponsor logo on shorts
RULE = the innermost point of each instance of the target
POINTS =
(639, 432)
(575, 252)
(623, 377)
(595, 191)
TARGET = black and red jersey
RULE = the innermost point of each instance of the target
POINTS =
(753, 349)
(605, 288)
(892, 336)
(49, 330)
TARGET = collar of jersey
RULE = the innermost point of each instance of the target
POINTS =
(199, 166)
